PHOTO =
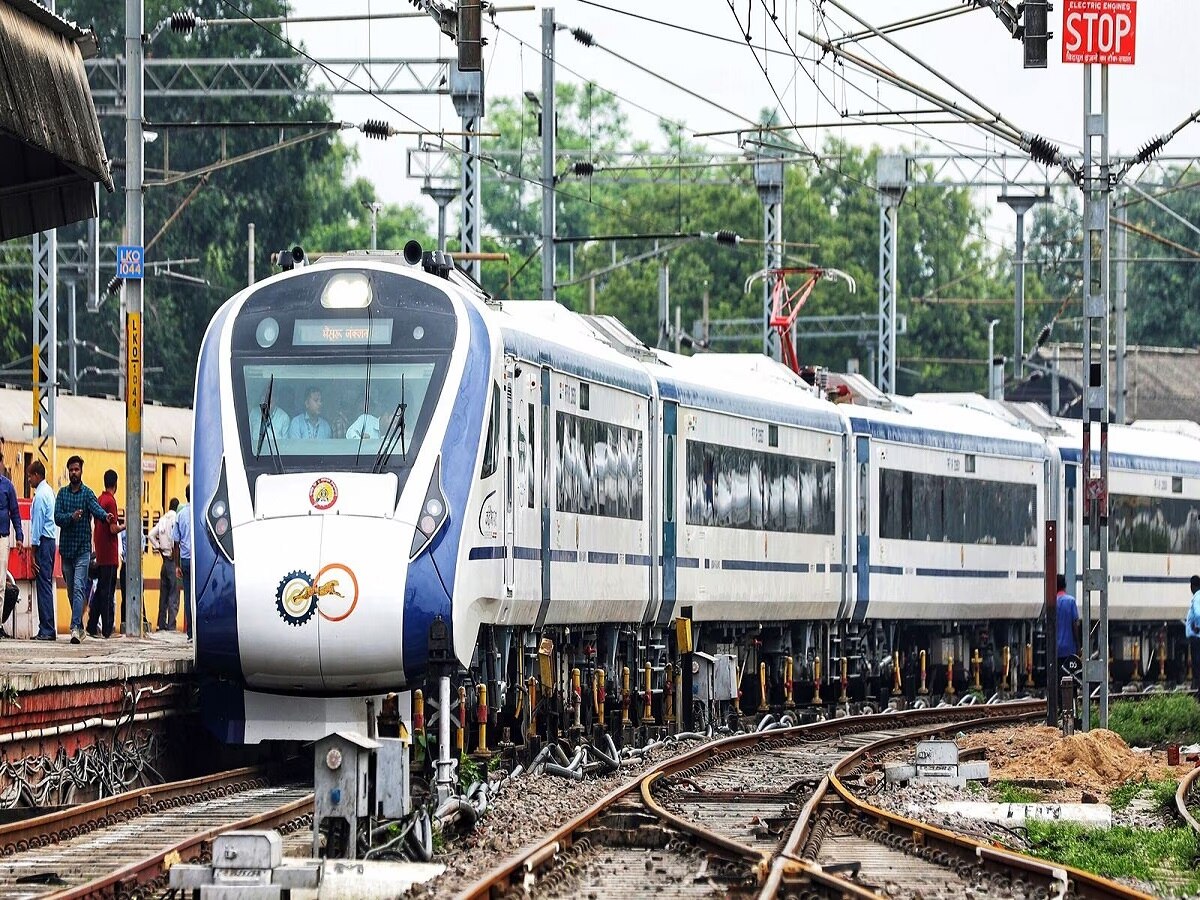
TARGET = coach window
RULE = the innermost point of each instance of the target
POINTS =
(1154, 524)
(491, 451)
(756, 491)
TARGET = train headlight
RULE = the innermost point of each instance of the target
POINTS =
(347, 290)
(433, 513)
(216, 517)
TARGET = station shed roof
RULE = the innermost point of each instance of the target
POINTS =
(51, 150)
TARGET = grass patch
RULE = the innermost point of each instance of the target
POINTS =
(1007, 792)
(1156, 720)
(1122, 852)
(1162, 793)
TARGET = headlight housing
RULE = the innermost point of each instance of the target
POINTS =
(217, 520)
(432, 515)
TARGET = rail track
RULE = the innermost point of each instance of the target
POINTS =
(65, 855)
(1183, 794)
(775, 814)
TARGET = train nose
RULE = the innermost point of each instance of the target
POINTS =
(328, 607)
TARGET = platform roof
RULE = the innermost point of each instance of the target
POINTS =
(51, 151)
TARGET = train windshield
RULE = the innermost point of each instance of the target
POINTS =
(339, 369)
(350, 410)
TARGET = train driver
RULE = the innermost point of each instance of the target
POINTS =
(309, 424)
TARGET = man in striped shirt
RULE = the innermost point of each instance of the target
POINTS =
(74, 508)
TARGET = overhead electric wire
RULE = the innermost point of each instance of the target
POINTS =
(622, 214)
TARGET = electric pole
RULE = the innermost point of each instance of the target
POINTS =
(1020, 205)
(548, 129)
(134, 238)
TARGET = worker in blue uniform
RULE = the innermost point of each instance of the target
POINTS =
(1193, 630)
(1067, 611)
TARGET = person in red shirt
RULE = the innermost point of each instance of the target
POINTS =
(108, 558)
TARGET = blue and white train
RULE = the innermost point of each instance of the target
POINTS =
(395, 475)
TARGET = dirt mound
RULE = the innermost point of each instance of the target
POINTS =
(1092, 759)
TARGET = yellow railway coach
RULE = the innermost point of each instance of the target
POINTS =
(94, 428)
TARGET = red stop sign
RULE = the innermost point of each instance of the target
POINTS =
(1099, 31)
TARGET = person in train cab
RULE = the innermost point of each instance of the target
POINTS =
(309, 424)
(280, 420)
(105, 541)
(1067, 611)
(168, 587)
(10, 523)
(368, 424)
(42, 539)
(74, 508)
(1192, 628)
(181, 552)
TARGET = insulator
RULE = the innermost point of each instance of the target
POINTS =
(584, 169)
(114, 286)
(725, 236)
(1040, 149)
(184, 22)
(377, 128)
(1151, 149)
(583, 36)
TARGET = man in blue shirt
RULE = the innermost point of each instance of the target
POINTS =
(309, 424)
(1067, 611)
(181, 536)
(42, 536)
(1192, 628)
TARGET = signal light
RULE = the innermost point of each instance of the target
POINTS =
(1035, 34)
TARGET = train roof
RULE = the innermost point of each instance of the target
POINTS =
(744, 384)
(1133, 447)
(548, 332)
(947, 426)
(97, 423)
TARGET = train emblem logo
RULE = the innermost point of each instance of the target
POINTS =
(335, 589)
(323, 494)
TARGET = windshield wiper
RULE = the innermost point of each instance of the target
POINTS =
(267, 428)
(393, 435)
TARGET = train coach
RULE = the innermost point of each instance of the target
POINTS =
(94, 428)
(399, 478)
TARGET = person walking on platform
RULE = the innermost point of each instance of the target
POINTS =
(42, 538)
(74, 507)
(168, 586)
(108, 559)
(1192, 628)
(181, 537)
(10, 522)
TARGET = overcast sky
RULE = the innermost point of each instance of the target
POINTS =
(972, 50)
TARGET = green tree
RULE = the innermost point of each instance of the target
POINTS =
(295, 195)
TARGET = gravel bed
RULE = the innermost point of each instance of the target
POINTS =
(1003, 746)
(526, 809)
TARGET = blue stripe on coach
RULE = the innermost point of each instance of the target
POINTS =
(215, 626)
(430, 583)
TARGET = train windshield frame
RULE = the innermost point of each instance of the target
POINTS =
(348, 390)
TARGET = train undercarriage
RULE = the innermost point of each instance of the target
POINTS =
(632, 683)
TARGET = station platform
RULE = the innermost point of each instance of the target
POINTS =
(55, 694)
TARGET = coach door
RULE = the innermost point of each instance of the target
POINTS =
(512, 449)
(669, 506)
(546, 428)
(862, 550)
